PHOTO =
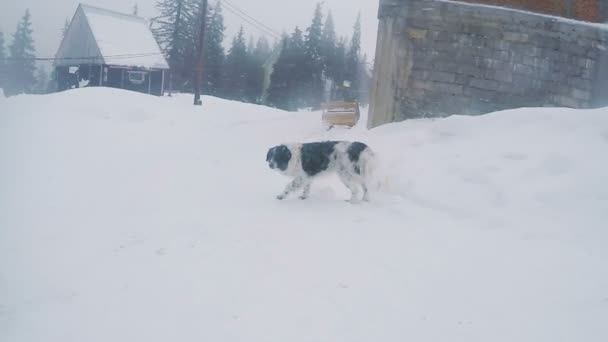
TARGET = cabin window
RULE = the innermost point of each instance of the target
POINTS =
(137, 77)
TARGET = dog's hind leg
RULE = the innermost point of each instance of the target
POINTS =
(291, 187)
(365, 191)
(350, 183)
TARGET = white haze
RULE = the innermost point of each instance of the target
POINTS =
(48, 17)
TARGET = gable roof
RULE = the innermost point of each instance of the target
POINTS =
(108, 37)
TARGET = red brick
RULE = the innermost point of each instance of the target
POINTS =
(587, 10)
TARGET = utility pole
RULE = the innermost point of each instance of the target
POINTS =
(200, 55)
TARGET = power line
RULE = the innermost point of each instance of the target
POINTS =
(253, 24)
(124, 56)
(250, 20)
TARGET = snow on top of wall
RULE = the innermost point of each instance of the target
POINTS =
(124, 39)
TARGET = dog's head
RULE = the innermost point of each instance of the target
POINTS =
(278, 157)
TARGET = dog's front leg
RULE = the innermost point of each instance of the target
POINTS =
(291, 187)
(306, 191)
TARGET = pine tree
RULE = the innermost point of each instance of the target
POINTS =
(338, 70)
(42, 81)
(353, 60)
(214, 51)
(251, 44)
(235, 80)
(279, 89)
(22, 65)
(364, 80)
(66, 25)
(175, 31)
(262, 50)
(328, 47)
(256, 57)
(3, 70)
(289, 78)
(314, 60)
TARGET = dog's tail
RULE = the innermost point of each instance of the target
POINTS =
(367, 165)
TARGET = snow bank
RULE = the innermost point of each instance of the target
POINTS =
(126, 217)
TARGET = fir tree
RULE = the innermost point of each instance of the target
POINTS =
(353, 60)
(3, 70)
(214, 51)
(278, 90)
(314, 60)
(328, 47)
(22, 65)
(257, 56)
(338, 70)
(175, 30)
(262, 50)
(42, 81)
(251, 44)
(235, 80)
(364, 80)
(288, 79)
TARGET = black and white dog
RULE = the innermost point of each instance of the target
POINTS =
(352, 161)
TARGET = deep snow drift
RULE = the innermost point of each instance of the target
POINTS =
(125, 217)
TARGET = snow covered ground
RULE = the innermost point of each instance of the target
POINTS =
(125, 217)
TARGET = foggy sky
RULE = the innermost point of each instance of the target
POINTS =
(48, 17)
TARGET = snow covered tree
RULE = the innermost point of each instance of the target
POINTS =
(314, 60)
(21, 78)
(214, 51)
(235, 78)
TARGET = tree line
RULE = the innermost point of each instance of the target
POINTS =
(18, 71)
(302, 69)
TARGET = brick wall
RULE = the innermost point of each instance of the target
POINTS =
(437, 58)
(588, 10)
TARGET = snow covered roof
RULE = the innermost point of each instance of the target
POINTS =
(102, 36)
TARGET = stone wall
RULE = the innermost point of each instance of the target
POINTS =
(436, 58)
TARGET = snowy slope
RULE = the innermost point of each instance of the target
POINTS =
(125, 217)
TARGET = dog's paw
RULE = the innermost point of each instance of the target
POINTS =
(303, 197)
(280, 197)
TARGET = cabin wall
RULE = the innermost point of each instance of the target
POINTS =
(79, 42)
(113, 77)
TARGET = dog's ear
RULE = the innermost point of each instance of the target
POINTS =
(270, 154)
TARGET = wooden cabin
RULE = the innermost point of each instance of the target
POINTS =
(110, 49)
